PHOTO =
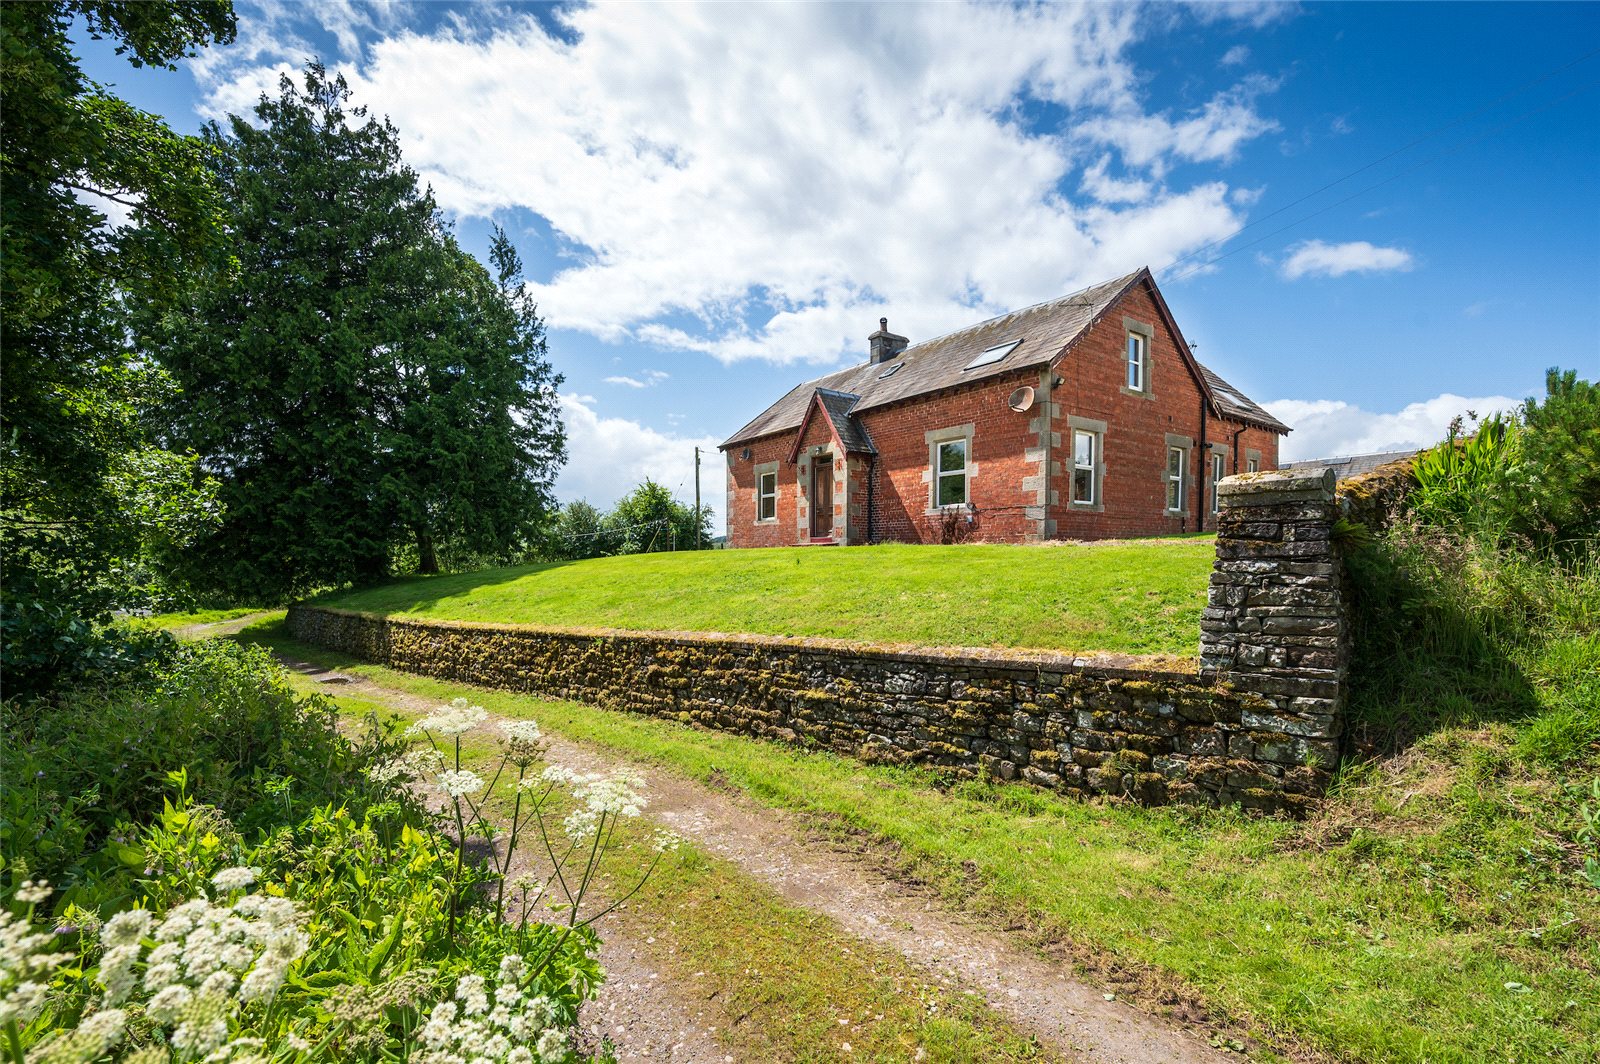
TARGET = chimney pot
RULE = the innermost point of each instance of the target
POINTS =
(884, 344)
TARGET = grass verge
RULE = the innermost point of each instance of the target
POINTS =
(1431, 911)
(787, 984)
(1137, 596)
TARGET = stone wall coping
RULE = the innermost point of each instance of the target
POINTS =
(1100, 665)
(1277, 487)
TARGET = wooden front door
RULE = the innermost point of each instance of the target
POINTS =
(822, 497)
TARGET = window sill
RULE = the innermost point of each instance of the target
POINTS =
(765, 521)
(1087, 507)
(1137, 393)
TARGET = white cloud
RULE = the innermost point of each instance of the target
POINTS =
(763, 181)
(1238, 55)
(1213, 133)
(648, 379)
(610, 456)
(1325, 428)
(1313, 258)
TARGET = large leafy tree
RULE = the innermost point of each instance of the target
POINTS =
(84, 492)
(357, 381)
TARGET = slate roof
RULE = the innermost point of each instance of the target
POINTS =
(1234, 405)
(1045, 331)
(852, 433)
(1350, 465)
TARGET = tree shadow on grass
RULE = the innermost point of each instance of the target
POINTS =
(420, 593)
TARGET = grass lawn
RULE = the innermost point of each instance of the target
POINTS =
(1133, 596)
(1430, 911)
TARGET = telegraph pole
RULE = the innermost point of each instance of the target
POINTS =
(697, 522)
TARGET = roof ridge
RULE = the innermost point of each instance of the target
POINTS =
(1057, 301)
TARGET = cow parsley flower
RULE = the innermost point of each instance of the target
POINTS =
(126, 928)
(454, 719)
(459, 784)
(25, 965)
(33, 892)
(464, 1027)
(231, 879)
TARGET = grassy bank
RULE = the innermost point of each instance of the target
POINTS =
(1140, 597)
(1431, 911)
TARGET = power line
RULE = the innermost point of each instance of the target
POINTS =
(1377, 184)
(1491, 105)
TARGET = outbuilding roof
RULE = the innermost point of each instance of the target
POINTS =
(1039, 333)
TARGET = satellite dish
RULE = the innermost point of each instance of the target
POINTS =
(1021, 399)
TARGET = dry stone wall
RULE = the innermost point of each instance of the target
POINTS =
(1259, 725)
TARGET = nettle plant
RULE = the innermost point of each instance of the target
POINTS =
(566, 859)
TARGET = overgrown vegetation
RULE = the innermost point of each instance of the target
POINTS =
(1141, 597)
(198, 862)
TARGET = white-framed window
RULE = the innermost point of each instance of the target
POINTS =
(1138, 362)
(1252, 465)
(950, 464)
(1219, 469)
(767, 495)
(1177, 458)
(1085, 467)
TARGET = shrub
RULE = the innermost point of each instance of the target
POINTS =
(81, 764)
(46, 646)
(1554, 475)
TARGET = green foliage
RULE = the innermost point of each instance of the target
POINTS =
(578, 532)
(85, 490)
(1458, 479)
(649, 519)
(102, 754)
(1589, 834)
(1554, 473)
(1451, 630)
(45, 645)
(353, 378)
(207, 775)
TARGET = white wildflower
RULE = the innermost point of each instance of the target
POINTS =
(25, 968)
(231, 879)
(157, 976)
(21, 1002)
(667, 841)
(204, 1027)
(552, 1045)
(126, 928)
(560, 774)
(512, 968)
(169, 1003)
(459, 784)
(388, 771)
(116, 973)
(104, 1028)
(520, 1055)
(219, 983)
(33, 892)
(522, 731)
(470, 992)
(454, 719)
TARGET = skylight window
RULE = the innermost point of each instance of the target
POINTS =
(992, 355)
(891, 371)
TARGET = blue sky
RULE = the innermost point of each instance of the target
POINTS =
(716, 203)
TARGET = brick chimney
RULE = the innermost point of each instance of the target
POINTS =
(885, 344)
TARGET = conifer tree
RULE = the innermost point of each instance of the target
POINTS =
(353, 377)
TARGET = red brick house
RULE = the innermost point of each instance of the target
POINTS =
(1086, 417)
